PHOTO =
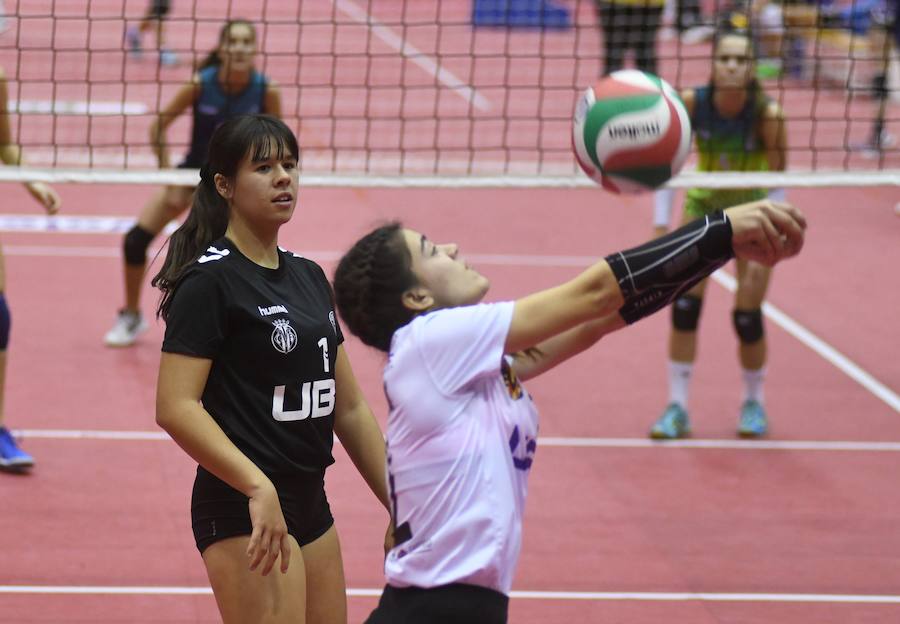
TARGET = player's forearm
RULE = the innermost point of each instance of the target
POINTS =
(550, 353)
(361, 437)
(540, 316)
(195, 431)
(158, 143)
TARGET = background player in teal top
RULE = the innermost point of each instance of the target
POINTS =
(226, 84)
(737, 128)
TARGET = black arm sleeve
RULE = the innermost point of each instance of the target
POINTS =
(656, 273)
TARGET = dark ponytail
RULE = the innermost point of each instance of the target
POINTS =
(369, 284)
(212, 58)
(256, 137)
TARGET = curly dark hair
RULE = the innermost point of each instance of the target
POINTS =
(369, 284)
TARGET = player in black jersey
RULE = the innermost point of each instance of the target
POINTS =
(254, 382)
(225, 85)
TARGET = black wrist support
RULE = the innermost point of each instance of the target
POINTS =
(653, 275)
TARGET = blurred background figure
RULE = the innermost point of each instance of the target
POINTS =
(155, 19)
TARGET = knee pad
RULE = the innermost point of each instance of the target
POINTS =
(749, 325)
(4, 323)
(686, 312)
(136, 242)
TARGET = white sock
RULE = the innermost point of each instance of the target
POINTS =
(679, 382)
(663, 199)
(753, 384)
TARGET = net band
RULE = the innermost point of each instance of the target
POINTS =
(690, 179)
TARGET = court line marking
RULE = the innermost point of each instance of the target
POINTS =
(566, 442)
(819, 346)
(405, 48)
(527, 595)
(776, 315)
(77, 107)
(71, 224)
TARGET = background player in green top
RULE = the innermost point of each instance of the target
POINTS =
(737, 128)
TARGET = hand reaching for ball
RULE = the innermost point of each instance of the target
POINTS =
(766, 231)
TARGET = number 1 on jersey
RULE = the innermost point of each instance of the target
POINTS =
(324, 344)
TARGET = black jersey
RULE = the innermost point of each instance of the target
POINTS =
(272, 335)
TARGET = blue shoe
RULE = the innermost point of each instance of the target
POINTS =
(11, 456)
(672, 424)
(133, 40)
(753, 422)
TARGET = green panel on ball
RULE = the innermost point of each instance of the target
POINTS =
(654, 79)
(604, 110)
(650, 177)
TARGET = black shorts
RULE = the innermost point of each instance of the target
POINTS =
(158, 9)
(218, 511)
(447, 604)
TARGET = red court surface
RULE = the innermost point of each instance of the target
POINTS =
(798, 528)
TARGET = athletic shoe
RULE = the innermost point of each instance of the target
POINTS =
(168, 58)
(753, 421)
(11, 456)
(129, 325)
(133, 40)
(875, 146)
(672, 424)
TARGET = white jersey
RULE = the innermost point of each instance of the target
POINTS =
(461, 437)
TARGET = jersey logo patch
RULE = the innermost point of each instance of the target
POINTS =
(270, 310)
(284, 337)
(214, 254)
(333, 322)
(513, 387)
(522, 457)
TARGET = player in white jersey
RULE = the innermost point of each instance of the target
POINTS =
(462, 431)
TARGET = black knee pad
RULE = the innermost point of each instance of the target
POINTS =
(686, 312)
(749, 325)
(137, 239)
(4, 323)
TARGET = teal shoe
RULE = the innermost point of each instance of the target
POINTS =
(753, 422)
(673, 424)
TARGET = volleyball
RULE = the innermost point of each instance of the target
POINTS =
(631, 132)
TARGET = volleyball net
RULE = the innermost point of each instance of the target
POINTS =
(401, 92)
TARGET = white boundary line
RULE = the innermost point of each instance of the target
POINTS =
(829, 353)
(77, 107)
(837, 359)
(634, 443)
(388, 36)
(527, 595)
